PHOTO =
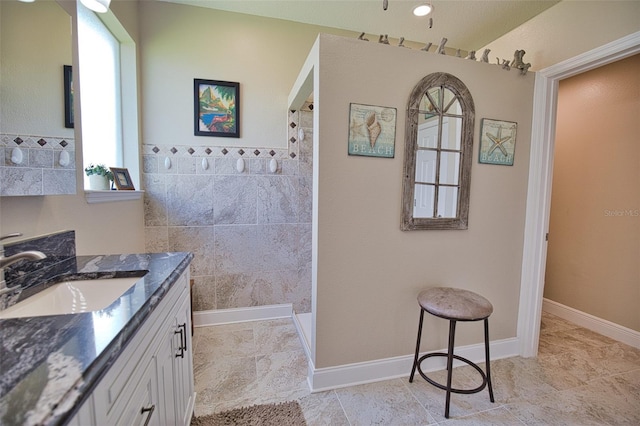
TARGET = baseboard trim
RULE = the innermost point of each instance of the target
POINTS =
(306, 346)
(322, 379)
(593, 323)
(228, 316)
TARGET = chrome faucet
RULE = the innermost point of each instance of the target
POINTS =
(6, 261)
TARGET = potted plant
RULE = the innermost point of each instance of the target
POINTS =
(99, 177)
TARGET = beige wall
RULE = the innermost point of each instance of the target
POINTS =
(100, 228)
(594, 245)
(368, 271)
(567, 29)
(180, 43)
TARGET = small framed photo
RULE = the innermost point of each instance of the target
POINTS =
(497, 142)
(67, 72)
(372, 130)
(122, 179)
(216, 108)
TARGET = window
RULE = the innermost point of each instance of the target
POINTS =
(108, 92)
(99, 57)
(438, 145)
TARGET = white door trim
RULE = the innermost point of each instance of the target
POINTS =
(540, 177)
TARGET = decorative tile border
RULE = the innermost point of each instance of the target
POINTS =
(8, 140)
(206, 151)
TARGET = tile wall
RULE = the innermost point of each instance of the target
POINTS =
(250, 231)
(43, 170)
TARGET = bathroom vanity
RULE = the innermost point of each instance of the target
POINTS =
(129, 363)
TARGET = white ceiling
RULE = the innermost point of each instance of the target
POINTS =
(467, 24)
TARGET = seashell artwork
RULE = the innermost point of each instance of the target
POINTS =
(372, 130)
(373, 127)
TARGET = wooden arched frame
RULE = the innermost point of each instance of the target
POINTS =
(460, 91)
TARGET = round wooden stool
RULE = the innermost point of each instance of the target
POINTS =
(454, 304)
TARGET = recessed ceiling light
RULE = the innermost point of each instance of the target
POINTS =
(423, 9)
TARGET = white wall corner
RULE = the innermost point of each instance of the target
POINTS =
(303, 85)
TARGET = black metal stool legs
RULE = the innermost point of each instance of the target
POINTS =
(486, 375)
(486, 353)
(415, 359)
(452, 338)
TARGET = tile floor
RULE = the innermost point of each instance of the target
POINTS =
(579, 378)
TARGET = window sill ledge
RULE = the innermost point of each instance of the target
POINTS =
(94, 197)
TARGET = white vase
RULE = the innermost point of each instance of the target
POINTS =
(98, 183)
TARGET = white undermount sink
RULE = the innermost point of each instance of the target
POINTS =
(71, 297)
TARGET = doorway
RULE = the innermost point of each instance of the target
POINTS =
(592, 271)
(540, 176)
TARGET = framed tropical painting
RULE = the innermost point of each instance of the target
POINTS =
(216, 108)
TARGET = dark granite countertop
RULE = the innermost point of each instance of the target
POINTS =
(50, 364)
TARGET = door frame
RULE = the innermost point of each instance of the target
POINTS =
(534, 256)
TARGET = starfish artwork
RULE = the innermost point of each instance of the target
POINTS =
(498, 140)
(497, 144)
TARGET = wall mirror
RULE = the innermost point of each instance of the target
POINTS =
(438, 148)
(36, 43)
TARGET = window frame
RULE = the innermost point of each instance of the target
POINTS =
(129, 104)
(460, 91)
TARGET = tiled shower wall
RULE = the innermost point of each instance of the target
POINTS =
(250, 231)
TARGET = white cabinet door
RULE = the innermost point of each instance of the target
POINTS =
(183, 364)
(175, 365)
(166, 382)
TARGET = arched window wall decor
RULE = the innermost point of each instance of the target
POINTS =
(438, 148)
